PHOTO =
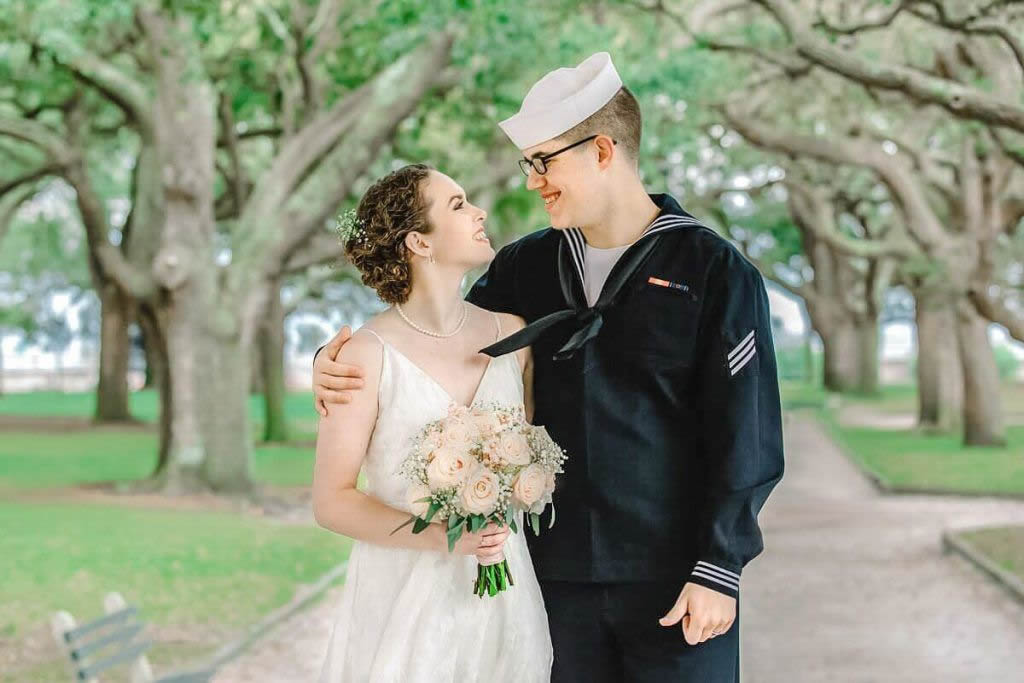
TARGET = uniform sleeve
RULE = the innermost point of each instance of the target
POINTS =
(495, 290)
(740, 421)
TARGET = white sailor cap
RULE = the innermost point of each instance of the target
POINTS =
(562, 99)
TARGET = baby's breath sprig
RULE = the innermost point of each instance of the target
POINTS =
(349, 227)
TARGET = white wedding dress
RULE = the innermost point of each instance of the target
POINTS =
(410, 616)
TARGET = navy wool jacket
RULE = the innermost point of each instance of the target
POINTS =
(664, 395)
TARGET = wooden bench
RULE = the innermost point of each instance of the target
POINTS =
(111, 641)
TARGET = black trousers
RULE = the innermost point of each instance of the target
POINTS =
(610, 633)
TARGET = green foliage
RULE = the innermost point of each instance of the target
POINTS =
(1006, 362)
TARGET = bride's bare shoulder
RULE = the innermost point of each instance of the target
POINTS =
(363, 348)
(509, 322)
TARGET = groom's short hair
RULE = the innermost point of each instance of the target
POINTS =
(619, 118)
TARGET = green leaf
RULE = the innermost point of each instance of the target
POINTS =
(454, 534)
(420, 525)
(402, 526)
(432, 510)
(513, 527)
(535, 523)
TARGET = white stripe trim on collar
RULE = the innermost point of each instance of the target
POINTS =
(577, 242)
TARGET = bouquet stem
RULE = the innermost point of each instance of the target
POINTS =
(492, 579)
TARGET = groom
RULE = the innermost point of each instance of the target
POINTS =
(654, 368)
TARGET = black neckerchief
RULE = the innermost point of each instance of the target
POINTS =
(588, 320)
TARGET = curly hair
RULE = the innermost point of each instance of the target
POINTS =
(390, 209)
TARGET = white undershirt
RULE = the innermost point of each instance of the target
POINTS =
(596, 266)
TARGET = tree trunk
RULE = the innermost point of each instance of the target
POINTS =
(841, 356)
(867, 356)
(115, 352)
(256, 372)
(271, 350)
(940, 385)
(209, 442)
(983, 410)
(158, 373)
(224, 416)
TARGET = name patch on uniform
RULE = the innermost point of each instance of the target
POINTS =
(666, 283)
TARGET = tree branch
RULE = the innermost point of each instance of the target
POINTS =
(921, 219)
(322, 249)
(960, 100)
(884, 19)
(10, 203)
(29, 178)
(236, 180)
(996, 311)
(362, 123)
(120, 88)
(41, 136)
(814, 212)
(136, 282)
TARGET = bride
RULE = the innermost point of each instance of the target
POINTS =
(407, 612)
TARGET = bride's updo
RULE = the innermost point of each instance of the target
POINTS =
(392, 207)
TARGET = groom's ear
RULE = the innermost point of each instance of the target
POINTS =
(605, 151)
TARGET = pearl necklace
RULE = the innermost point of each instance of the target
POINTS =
(458, 328)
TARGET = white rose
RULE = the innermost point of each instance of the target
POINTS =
(513, 449)
(530, 485)
(480, 494)
(447, 468)
(460, 432)
(487, 422)
(415, 492)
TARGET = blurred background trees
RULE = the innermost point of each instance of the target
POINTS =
(172, 172)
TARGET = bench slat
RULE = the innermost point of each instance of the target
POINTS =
(121, 635)
(126, 655)
(112, 618)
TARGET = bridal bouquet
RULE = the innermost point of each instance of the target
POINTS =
(479, 465)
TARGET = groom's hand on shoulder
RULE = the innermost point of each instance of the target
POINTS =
(332, 380)
(703, 613)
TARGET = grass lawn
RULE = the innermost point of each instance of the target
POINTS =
(44, 459)
(1004, 545)
(144, 405)
(908, 459)
(198, 576)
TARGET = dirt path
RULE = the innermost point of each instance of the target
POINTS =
(852, 588)
(853, 585)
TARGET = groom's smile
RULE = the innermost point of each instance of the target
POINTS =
(550, 198)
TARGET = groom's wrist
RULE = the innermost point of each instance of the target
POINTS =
(716, 577)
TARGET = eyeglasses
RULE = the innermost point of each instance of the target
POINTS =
(540, 165)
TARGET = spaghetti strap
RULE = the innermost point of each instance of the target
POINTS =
(497, 320)
(379, 338)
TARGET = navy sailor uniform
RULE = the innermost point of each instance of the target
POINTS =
(665, 396)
